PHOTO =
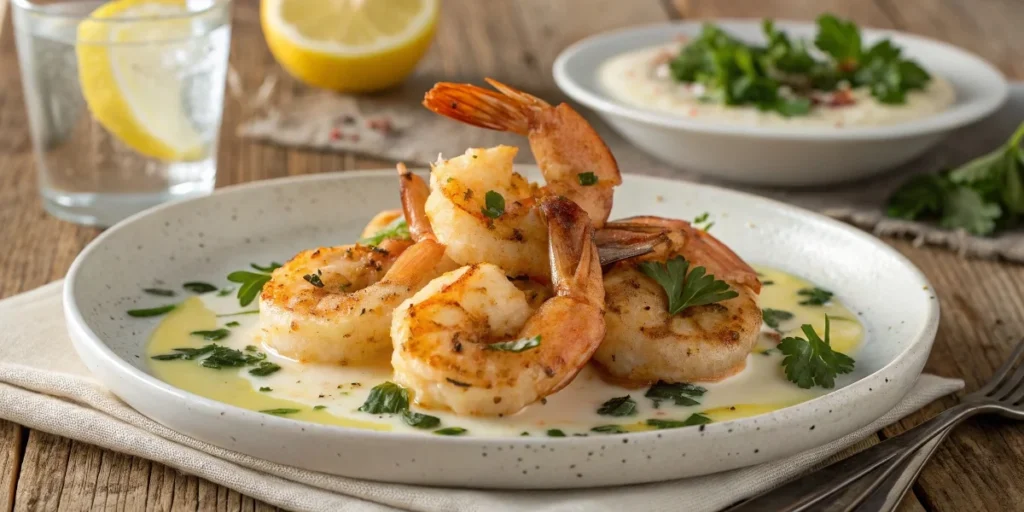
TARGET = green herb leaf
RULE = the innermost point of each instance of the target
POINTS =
(451, 431)
(587, 179)
(609, 429)
(264, 368)
(494, 204)
(265, 389)
(157, 311)
(694, 419)
(839, 39)
(554, 432)
(214, 335)
(686, 289)
(415, 419)
(160, 292)
(280, 411)
(681, 393)
(319, 407)
(232, 324)
(386, 398)
(519, 345)
(921, 196)
(225, 291)
(621, 406)
(812, 362)
(251, 284)
(772, 317)
(815, 296)
(167, 357)
(268, 268)
(966, 209)
(397, 229)
(199, 287)
(224, 357)
(314, 279)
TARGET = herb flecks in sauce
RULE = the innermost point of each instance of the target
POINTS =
(213, 335)
(620, 406)
(694, 419)
(451, 431)
(772, 317)
(199, 287)
(386, 398)
(157, 311)
(814, 296)
(419, 420)
(680, 393)
(159, 292)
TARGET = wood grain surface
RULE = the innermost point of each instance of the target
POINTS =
(980, 467)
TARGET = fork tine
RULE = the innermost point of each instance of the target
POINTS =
(1008, 385)
(1016, 396)
(1000, 374)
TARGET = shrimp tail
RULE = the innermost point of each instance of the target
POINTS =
(414, 191)
(616, 244)
(575, 263)
(481, 107)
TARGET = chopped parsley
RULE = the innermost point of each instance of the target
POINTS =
(314, 279)
(213, 335)
(812, 362)
(397, 229)
(554, 432)
(980, 197)
(159, 292)
(686, 289)
(280, 411)
(814, 296)
(199, 287)
(264, 368)
(418, 420)
(319, 407)
(264, 389)
(587, 179)
(494, 204)
(702, 222)
(772, 317)
(516, 345)
(680, 393)
(232, 324)
(157, 311)
(620, 406)
(451, 431)
(694, 419)
(609, 429)
(386, 398)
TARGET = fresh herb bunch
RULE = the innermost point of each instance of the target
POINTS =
(812, 362)
(981, 197)
(780, 76)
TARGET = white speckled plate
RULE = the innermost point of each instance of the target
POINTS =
(206, 238)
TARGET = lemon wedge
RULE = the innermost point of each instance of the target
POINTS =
(349, 45)
(131, 81)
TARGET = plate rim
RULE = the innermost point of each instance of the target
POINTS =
(946, 120)
(922, 340)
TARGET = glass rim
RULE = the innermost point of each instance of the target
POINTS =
(40, 10)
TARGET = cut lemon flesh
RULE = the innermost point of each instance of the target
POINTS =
(349, 45)
(131, 73)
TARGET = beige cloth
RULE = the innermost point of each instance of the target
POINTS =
(44, 386)
(323, 120)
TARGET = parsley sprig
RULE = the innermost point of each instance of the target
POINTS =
(252, 282)
(981, 197)
(812, 362)
(397, 229)
(781, 75)
(684, 287)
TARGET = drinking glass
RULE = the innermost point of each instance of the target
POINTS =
(124, 101)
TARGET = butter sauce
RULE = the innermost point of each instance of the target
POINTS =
(337, 392)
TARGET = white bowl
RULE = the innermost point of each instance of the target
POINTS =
(772, 155)
(208, 237)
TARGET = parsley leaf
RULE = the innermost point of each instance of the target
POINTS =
(280, 411)
(694, 419)
(160, 292)
(966, 209)
(609, 429)
(516, 345)
(587, 179)
(686, 289)
(815, 296)
(839, 39)
(451, 431)
(681, 393)
(812, 362)
(265, 368)
(397, 229)
(199, 287)
(921, 196)
(494, 204)
(621, 406)
(251, 282)
(157, 311)
(772, 317)
(418, 420)
(386, 398)
(314, 279)
(215, 335)
(554, 432)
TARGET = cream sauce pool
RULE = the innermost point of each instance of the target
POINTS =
(332, 395)
(641, 78)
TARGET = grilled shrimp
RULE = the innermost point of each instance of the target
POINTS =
(574, 160)
(702, 343)
(470, 342)
(334, 304)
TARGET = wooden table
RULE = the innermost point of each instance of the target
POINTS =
(980, 467)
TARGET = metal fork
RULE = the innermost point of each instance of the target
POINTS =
(1004, 394)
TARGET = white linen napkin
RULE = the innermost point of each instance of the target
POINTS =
(44, 386)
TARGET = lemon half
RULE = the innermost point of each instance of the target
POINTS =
(349, 45)
(129, 86)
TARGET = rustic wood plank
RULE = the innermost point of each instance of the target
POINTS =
(42, 472)
(11, 436)
(864, 12)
